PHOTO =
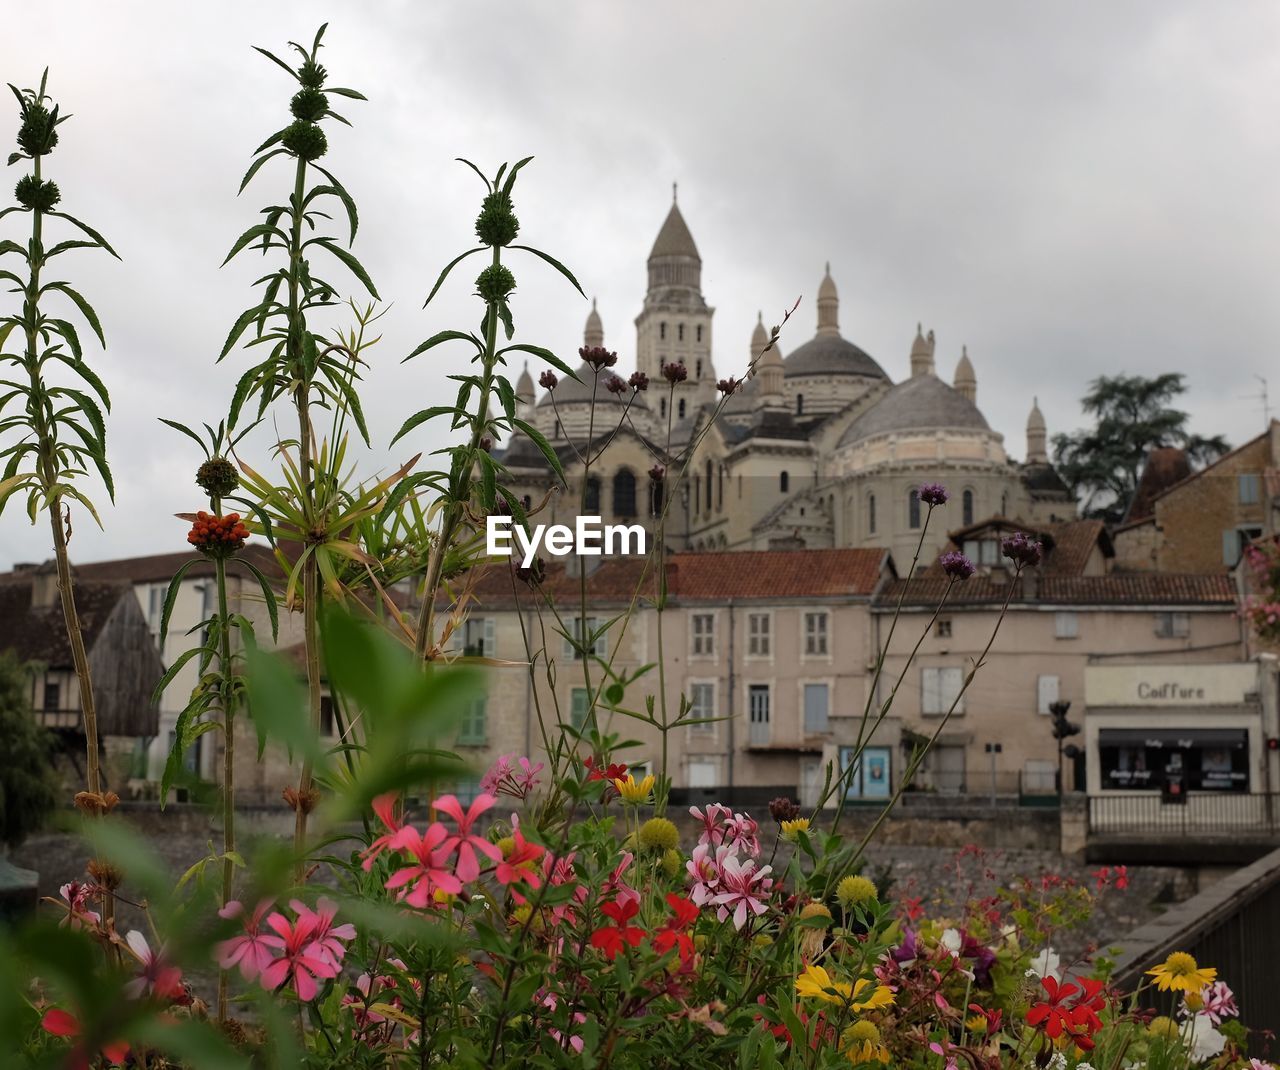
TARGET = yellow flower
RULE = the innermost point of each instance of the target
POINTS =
(853, 890)
(1194, 1002)
(816, 983)
(816, 910)
(633, 792)
(659, 834)
(1163, 1027)
(1180, 973)
(672, 863)
(861, 1043)
(791, 829)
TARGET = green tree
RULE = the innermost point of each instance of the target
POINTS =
(28, 783)
(1132, 415)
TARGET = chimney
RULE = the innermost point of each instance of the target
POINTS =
(44, 585)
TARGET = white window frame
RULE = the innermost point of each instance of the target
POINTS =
(702, 645)
(943, 629)
(1172, 624)
(765, 615)
(1249, 488)
(477, 709)
(938, 684)
(769, 690)
(1066, 624)
(574, 692)
(487, 627)
(710, 760)
(824, 633)
(1048, 691)
(599, 648)
(703, 731)
(801, 687)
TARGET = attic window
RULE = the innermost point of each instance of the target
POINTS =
(52, 693)
(967, 508)
(943, 629)
(784, 482)
(662, 331)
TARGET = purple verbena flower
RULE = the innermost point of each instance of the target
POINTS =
(598, 357)
(639, 381)
(548, 380)
(674, 372)
(1022, 550)
(728, 386)
(615, 385)
(933, 494)
(657, 473)
(956, 565)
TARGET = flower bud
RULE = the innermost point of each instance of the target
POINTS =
(312, 75)
(615, 385)
(674, 372)
(37, 135)
(305, 140)
(309, 105)
(217, 477)
(497, 225)
(548, 380)
(639, 381)
(37, 194)
(495, 282)
(598, 357)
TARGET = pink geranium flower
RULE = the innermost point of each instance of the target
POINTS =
(704, 869)
(742, 834)
(713, 823)
(743, 888)
(518, 864)
(385, 807)
(250, 952)
(430, 872)
(464, 842)
(299, 960)
(327, 938)
(62, 1024)
(158, 978)
(613, 884)
(77, 896)
(513, 775)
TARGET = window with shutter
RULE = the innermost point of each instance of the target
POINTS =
(578, 707)
(816, 707)
(1047, 688)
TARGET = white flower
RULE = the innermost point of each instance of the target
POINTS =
(951, 941)
(1206, 1042)
(1057, 1061)
(1045, 964)
(1084, 1066)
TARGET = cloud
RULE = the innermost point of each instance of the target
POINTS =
(1068, 190)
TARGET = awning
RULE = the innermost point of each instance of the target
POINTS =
(1173, 738)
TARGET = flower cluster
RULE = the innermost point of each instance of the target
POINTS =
(218, 536)
(1022, 550)
(513, 775)
(300, 953)
(933, 494)
(674, 372)
(598, 357)
(956, 565)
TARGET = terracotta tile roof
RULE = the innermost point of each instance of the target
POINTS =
(1144, 588)
(711, 577)
(160, 568)
(1166, 465)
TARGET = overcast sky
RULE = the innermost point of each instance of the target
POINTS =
(1070, 190)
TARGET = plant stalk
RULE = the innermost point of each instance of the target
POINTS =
(228, 756)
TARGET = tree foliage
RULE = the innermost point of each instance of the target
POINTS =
(1132, 415)
(28, 783)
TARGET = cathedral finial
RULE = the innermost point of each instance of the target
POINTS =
(673, 192)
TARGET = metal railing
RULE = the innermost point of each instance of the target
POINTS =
(1238, 815)
(1233, 926)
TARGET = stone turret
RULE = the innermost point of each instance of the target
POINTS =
(828, 305)
(593, 334)
(922, 353)
(1037, 436)
(966, 382)
(525, 396)
(768, 367)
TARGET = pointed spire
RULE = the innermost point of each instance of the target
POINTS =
(1037, 435)
(828, 305)
(593, 334)
(966, 382)
(524, 386)
(922, 353)
(759, 337)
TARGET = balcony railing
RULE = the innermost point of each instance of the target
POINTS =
(1238, 815)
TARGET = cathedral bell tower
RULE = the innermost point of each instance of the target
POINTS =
(674, 326)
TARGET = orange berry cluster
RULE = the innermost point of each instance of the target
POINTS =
(217, 536)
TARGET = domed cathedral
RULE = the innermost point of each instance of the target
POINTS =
(817, 449)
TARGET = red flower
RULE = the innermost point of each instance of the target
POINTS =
(518, 864)
(217, 536)
(1121, 875)
(911, 907)
(1072, 1008)
(613, 938)
(465, 842)
(993, 1018)
(675, 933)
(62, 1024)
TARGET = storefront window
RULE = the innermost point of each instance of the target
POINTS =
(1205, 759)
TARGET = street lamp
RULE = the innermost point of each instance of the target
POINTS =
(1063, 729)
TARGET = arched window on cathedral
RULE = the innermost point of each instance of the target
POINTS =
(720, 490)
(680, 332)
(664, 408)
(662, 331)
(913, 509)
(624, 493)
(655, 497)
(698, 373)
(708, 486)
(799, 404)
(699, 332)
(739, 486)
(967, 508)
(871, 514)
(591, 504)
(784, 482)
(680, 410)
(527, 502)
(697, 493)
(558, 429)
(1004, 504)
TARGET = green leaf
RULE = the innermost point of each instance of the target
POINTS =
(256, 166)
(278, 704)
(258, 230)
(191, 435)
(554, 263)
(64, 246)
(353, 265)
(65, 328)
(341, 193)
(171, 596)
(443, 336)
(536, 437)
(85, 308)
(487, 184)
(421, 418)
(511, 178)
(541, 354)
(277, 61)
(176, 668)
(454, 262)
(102, 242)
(267, 594)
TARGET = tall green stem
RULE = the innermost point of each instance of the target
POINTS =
(228, 754)
(460, 491)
